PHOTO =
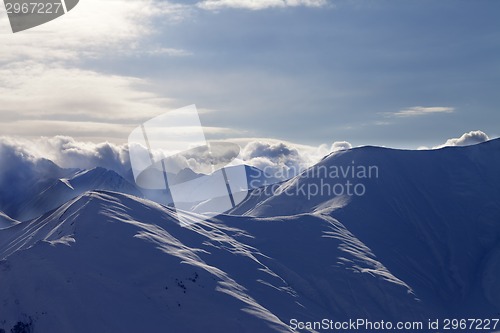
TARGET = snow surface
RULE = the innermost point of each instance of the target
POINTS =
(49, 193)
(6, 221)
(108, 262)
(423, 242)
(432, 217)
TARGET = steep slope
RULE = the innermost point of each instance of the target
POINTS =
(31, 186)
(22, 177)
(421, 241)
(6, 221)
(256, 178)
(432, 217)
(61, 190)
(107, 262)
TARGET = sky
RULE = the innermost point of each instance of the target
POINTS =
(402, 74)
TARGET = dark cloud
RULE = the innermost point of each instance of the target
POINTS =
(272, 151)
(20, 174)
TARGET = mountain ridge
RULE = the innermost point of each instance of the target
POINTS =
(141, 232)
(422, 242)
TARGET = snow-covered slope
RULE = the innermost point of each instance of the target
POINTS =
(6, 221)
(107, 262)
(432, 217)
(255, 178)
(452, 171)
(422, 242)
(22, 178)
(59, 191)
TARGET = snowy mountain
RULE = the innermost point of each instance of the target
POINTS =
(22, 178)
(107, 262)
(52, 193)
(255, 178)
(432, 217)
(65, 189)
(418, 240)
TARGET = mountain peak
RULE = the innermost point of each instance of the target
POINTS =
(131, 251)
(421, 240)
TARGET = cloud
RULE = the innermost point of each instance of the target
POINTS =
(45, 100)
(93, 28)
(38, 99)
(45, 89)
(279, 159)
(273, 158)
(285, 159)
(69, 153)
(66, 152)
(277, 151)
(340, 145)
(259, 4)
(173, 52)
(470, 138)
(416, 111)
(19, 173)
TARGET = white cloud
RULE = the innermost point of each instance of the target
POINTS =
(44, 89)
(340, 145)
(421, 111)
(277, 158)
(173, 52)
(43, 100)
(273, 158)
(259, 4)
(467, 139)
(93, 28)
(38, 99)
(24, 163)
(67, 152)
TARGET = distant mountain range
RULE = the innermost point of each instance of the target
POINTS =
(37, 196)
(418, 240)
(37, 190)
